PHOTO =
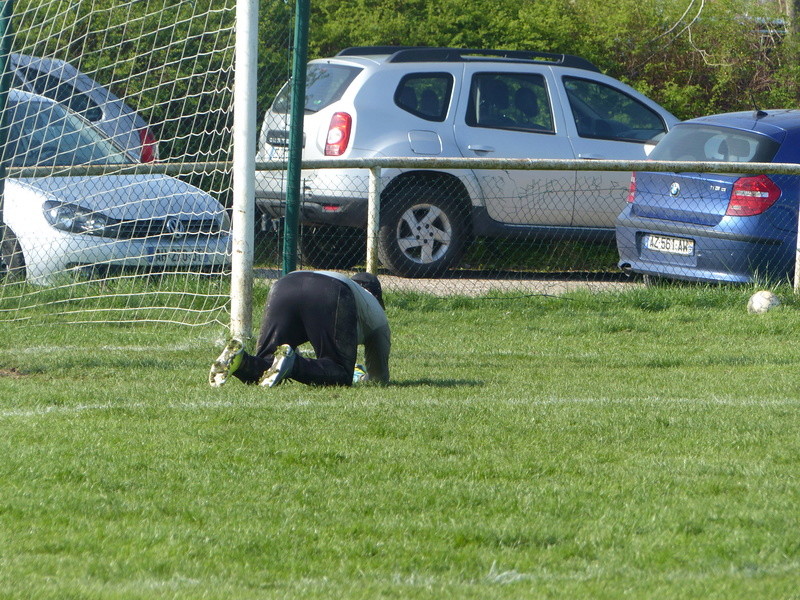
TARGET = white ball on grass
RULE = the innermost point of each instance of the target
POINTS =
(762, 301)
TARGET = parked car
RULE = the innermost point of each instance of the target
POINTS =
(57, 224)
(60, 81)
(716, 227)
(445, 102)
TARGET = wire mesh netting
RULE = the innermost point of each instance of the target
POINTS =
(118, 120)
(430, 228)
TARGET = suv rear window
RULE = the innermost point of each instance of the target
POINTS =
(698, 142)
(426, 95)
(325, 84)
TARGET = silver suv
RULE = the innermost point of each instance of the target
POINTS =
(443, 102)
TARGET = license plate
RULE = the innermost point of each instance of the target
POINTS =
(670, 245)
(162, 257)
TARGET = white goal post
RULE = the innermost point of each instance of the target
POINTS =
(244, 151)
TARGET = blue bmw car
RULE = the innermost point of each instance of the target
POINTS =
(716, 227)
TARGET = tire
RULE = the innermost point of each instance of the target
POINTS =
(423, 233)
(651, 281)
(328, 247)
(12, 261)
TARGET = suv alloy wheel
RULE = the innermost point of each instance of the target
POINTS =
(422, 234)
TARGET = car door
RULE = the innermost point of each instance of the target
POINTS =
(508, 113)
(606, 121)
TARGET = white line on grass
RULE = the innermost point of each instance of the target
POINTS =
(150, 348)
(283, 403)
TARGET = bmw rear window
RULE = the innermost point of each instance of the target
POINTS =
(325, 84)
(699, 142)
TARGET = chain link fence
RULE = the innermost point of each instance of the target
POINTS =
(530, 226)
(431, 229)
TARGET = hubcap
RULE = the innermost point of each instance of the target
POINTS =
(424, 233)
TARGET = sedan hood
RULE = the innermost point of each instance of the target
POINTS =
(127, 197)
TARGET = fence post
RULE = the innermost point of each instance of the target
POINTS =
(797, 261)
(373, 218)
(298, 103)
(244, 155)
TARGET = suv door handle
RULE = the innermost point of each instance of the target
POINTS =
(475, 148)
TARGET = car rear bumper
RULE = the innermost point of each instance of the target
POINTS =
(335, 197)
(336, 211)
(717, 256)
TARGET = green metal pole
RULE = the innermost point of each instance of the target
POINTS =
(298, 89)
(6, 11)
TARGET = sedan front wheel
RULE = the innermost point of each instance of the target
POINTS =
(12, 261)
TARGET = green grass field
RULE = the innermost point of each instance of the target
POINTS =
(642, 445)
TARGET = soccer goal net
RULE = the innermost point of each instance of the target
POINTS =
(117, 135)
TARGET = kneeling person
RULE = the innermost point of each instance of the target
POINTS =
(334, 313)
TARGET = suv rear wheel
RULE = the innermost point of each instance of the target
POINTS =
(423, 233)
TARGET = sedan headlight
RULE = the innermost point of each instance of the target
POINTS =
(77, 219)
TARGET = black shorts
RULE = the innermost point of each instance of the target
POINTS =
(310, 307)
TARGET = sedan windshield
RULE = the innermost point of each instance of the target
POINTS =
(46, 134)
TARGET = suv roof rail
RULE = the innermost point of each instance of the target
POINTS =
(373, 50)
(405, 54)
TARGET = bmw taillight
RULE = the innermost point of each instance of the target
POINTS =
(752, 196)
(149, 145)
(338, 134)
(632, 189)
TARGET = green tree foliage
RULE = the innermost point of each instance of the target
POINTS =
(694, 56)
(173, 59)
